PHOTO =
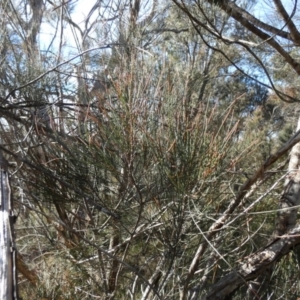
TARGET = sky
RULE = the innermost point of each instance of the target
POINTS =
(79, 15)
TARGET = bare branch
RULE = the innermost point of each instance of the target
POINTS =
(254, 265)
(219, 223)
(295, 34)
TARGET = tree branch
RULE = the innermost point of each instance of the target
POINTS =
(234, 11)
(288, 20)
(239, 17)
(255, 264)
(240, 14)
(219, 223)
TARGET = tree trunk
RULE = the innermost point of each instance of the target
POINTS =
(8, 271)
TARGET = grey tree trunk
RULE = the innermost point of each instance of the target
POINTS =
(8, 269)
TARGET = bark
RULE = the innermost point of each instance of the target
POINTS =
(291, 196)
(33, 26)
(8, 271)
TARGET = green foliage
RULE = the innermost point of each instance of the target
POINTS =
(117, 189)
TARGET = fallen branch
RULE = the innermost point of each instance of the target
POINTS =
(255, 264)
